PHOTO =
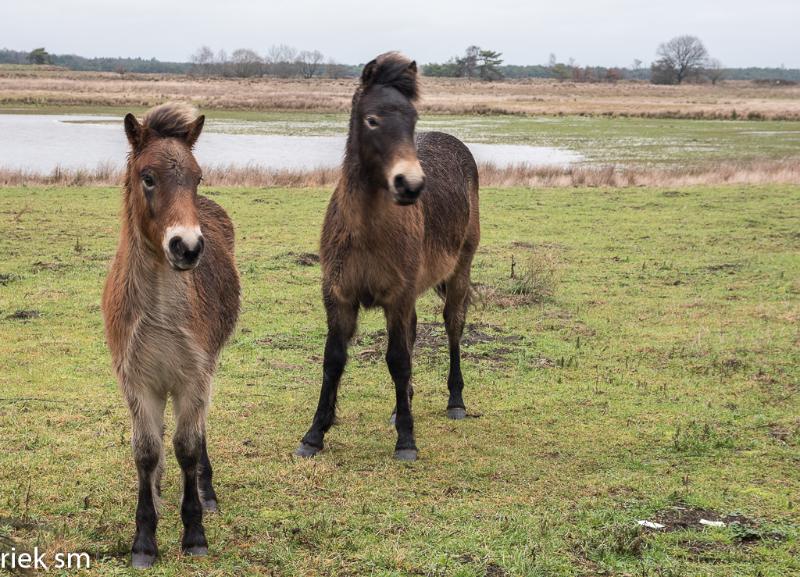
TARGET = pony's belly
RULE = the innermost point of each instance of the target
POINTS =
(437, 270)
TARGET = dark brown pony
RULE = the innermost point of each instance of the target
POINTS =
(170, 302)
(403, 218)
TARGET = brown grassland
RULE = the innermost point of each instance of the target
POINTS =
(731, 99)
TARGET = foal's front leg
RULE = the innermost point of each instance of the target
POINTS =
(190, 414)
(398, 359)
(147, 418)
(342, 319)
(205, 473)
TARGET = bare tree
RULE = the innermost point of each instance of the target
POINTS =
(468, 64)
(335, 70)
(310, 63)
(202, 60)
(715, 71)
(282, 60)
(246, 62)
(684, 55)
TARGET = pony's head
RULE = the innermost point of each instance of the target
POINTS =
(382, 126)
(162, 180)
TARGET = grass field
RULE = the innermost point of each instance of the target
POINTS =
(659, 382)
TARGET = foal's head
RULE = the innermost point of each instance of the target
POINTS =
(382, 126)
(162, 181)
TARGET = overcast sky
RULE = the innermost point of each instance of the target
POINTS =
(608, 32)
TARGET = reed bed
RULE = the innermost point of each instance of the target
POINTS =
(783, 171)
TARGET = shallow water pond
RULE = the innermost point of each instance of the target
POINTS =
(42, 142)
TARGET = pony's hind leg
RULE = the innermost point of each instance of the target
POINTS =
(208, 497)
(342, 319)
(455, 314)
(147, 417)
(190, 413)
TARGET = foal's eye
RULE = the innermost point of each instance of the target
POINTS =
(148, 181)
(372, 122)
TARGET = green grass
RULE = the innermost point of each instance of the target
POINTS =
(599, 139)
(664, 371)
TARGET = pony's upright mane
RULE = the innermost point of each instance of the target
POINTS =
(395, 70)
(171, 120)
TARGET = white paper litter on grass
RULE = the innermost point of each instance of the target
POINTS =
(712, 523)
(651, 524)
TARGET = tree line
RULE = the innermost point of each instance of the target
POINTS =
(679, 60)
(280, 60)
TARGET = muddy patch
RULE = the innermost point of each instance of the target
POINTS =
(40, 266)
(744, 529)
(481, 341)
(300, 258)
(306, 259)
(24, 315)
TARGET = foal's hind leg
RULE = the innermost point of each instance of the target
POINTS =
(455, 313)
(342, 319)
(190, 415)
(147, 417)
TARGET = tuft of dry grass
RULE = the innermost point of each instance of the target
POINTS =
(783, 171)
(538, 276)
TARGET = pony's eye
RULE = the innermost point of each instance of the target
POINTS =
(148, 181)
(372, 122)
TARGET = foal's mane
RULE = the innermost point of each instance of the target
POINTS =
(170, 120)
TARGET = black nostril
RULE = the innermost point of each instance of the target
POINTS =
(400, 184)
(176, 246)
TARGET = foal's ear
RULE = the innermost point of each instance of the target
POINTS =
(195, 128)
(134, 131)
(413, 67)
(368, 72)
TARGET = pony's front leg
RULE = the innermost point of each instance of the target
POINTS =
(147, 418)
(398, 359)
(342, 319)
(204, 480)
(190, 415)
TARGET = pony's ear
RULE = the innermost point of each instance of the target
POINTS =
(368, 72)
(195, 128)
(134, 131)
(413, 67)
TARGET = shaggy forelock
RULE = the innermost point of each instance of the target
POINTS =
(392, 69)
(173, 119)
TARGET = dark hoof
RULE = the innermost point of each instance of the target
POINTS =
(210, 506)
(142, 560)
(405, 454)
(306, 451)
(456, 413)
(196, 551)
